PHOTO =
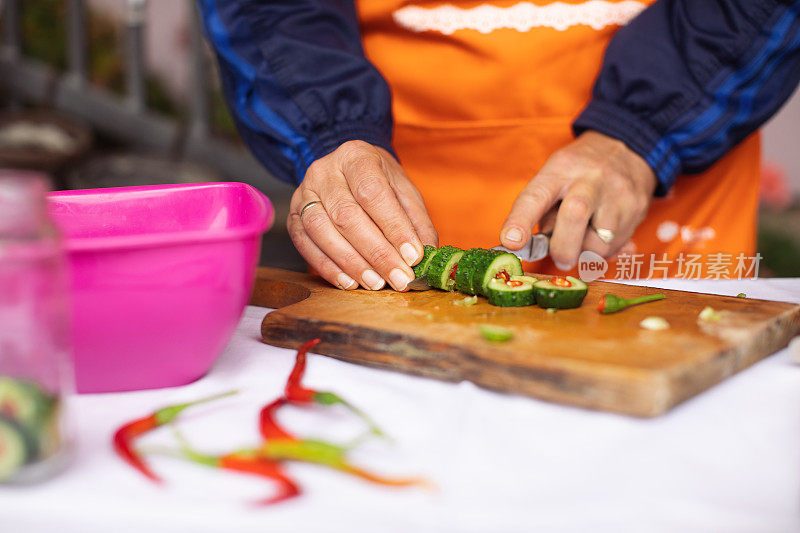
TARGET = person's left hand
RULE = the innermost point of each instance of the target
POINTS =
(596, 178)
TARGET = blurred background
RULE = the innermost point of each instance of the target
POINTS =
(103, 93)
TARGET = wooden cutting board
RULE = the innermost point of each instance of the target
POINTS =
(577, 357)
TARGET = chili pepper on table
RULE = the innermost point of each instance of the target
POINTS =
(327, 454)
(125, 436)
(611, 303)
(270, 429)
(268, 425)
(296, 393)
(280, 445)
(247, 462)
(261, 466)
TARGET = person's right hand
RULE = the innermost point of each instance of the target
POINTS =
(370, 222)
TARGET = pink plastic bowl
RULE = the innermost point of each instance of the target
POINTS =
(160, 277)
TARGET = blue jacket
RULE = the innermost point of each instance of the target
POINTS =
(296, 79)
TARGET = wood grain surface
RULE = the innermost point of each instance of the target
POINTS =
(577, 356)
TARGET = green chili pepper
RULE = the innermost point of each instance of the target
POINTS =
(741, 295)
(244, 461)
(330, 455)
(612, 304)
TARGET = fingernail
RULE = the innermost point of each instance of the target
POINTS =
(372, 280)
(563, 266)
(409, 253)
(514, 235)
(344, 281)
(399, 279)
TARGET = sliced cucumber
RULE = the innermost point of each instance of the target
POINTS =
(442, 265)
(503, 294)
(482, 262)
(549, 295)
(490, 264)
(16, 447)
(24, 401)
(421, 268)
(525, 278)
(466, 267)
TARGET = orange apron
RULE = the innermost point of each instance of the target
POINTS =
(484, 92)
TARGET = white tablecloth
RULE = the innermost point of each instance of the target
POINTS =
(726, 461)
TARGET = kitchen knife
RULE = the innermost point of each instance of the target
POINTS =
(536, 248)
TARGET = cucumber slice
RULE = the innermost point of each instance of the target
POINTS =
(421, 268)
(495, 333)
(24, 401)
(550, 295)
(489, 264)
(466, 267)
(441, 265)
(503, 295)
(482, 262)
(16, 447)
(526, 278)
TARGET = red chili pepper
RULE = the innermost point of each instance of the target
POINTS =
(514, 283)
(245, 461)
(123, 444)
(280, 445)
(297, 394)
(503, 275)
(261, 466)
(268, 426)
(561, 282)
(125, 435)
(453, 271)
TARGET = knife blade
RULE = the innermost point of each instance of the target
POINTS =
(419, 284)
(536, 248)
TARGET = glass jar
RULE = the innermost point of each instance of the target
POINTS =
(35, 364)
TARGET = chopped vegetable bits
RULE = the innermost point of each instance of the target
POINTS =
(709, 314)
(466, 301)
(495, 333)
(654, 323)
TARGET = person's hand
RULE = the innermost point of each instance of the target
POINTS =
(596, 178)
(368, 222)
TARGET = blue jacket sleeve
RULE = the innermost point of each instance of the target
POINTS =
(687, 80)
(296, 80)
